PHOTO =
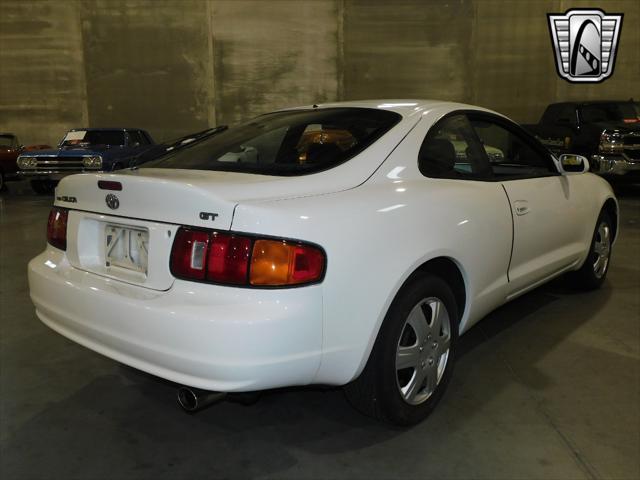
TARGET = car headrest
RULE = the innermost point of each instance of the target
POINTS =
(437, 156)
(323, 152)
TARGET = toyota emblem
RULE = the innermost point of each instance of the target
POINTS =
(112, 201)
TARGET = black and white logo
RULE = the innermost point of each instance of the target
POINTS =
(112, 201)
(585, 43)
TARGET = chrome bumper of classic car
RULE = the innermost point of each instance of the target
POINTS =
(51, 174)
(614, 165)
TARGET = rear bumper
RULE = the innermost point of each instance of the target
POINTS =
(206, 336)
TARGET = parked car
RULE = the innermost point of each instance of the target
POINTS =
(606, 132)
(352, 259)
(82, 150)
(10, 148)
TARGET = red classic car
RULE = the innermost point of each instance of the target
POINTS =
(10, 148)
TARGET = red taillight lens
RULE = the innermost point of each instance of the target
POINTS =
(189, 254)
(228, 258)
(57, 227)
(231, 259)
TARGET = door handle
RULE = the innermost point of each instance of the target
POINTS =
(521, 207)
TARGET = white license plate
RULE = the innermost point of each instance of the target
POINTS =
(127, 247)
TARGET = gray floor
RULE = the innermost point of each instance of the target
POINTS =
(547, 387)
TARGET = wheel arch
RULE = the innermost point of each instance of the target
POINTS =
(444, 267)
(450, 271)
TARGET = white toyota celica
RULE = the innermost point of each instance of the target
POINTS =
(337, 244)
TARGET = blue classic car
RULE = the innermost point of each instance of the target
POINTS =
(82, 150)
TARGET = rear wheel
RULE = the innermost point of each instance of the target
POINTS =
(594, 270)
(412, 359)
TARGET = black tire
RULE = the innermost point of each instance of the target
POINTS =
(117, 166)
(377, 392)
(2, 182)
(590, 277)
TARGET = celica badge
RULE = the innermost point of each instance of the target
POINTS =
(112, 201)
(585, 43)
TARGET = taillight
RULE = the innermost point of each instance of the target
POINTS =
(278, 262)
(57, 228)
(189, 254)
(228, 258)
(233, 259)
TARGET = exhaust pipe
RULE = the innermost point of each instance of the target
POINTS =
(193, 399)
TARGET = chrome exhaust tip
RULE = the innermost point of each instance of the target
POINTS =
(193, 399)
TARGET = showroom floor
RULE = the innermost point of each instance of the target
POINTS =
(546, 387)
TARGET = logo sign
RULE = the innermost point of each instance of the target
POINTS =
(112, 201)
(585, 43)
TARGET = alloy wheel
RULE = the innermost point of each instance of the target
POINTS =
(601, 250)
(423, 350)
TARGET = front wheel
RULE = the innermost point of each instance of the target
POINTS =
(594, 270)
(412, 359)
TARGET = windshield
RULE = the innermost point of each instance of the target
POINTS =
(93, 137)
(294, 142)
(6, 140)
(627, 112)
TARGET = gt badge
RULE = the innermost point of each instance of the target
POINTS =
(585, 43)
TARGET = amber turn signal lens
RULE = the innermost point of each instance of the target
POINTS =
(277, 263)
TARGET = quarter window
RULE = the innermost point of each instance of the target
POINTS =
(450, 150)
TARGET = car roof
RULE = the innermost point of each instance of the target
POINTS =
(405, 106)
(591, 102)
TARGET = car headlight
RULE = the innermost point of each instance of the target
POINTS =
(92, 162)
(26, 163)
(611, 142)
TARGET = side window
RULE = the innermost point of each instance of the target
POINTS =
(450, 150)
(134, 138)
(566, 114)
(142, 138)
(510, 154)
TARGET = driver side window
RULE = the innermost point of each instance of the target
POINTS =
(509, 154)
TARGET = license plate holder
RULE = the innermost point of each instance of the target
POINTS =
(127, 248)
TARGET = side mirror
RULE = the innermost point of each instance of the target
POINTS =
(570, 163)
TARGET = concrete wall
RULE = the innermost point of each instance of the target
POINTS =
(176, 66)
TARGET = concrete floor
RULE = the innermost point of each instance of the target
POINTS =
(546, 387)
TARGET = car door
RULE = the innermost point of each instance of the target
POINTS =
(462, 209)
(546, 222)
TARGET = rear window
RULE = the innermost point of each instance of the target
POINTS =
(602, 112)
(293, 142)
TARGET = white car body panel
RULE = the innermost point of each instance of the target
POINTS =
(376, 216)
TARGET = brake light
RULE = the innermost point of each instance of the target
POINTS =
(228, 258)
(109, 185)
(57, 227)
(233, 259)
